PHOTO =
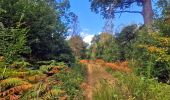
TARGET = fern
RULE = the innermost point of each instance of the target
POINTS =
(47, 65)
(15, 90)
(37, 91)
(33, 72)
(36, 78)
(12, 73)
(53, 94)
(51, 69)
(20, 64)
(51, 62)
(11, 82)
(46, 68)
(11, 97)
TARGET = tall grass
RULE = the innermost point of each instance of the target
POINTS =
(104, 91)
(132, 87)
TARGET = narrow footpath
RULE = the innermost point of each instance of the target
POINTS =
(95, 73)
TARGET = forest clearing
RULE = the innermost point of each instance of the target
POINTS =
(84, 49)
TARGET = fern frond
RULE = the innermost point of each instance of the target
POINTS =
(36, 78)
(20, 64)
(11, 82)
(53, 93)
(46, 68)
(11, 97)
(16, 89)
(33, 72)
(51, 69)
(37, 90)
(12, 73)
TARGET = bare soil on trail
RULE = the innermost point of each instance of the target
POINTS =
(95, 73)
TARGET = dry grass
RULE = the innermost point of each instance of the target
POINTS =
(117, 66)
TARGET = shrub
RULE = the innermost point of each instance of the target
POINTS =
(152, 53)
(13, 43)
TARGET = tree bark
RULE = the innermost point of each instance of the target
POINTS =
(147, 12)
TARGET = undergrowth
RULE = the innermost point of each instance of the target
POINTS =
(132, 87)
(50, 81)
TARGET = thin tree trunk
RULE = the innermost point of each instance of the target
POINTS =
(147, 12)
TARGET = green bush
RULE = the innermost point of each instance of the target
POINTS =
(152, 52)
(148, 51)
(125, 41)
(13, 43)
(44, 21)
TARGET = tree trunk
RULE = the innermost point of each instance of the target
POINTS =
(147, 12)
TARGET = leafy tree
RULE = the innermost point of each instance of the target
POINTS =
(78, 46)
(76, 42)
(163, 23)
(152, 54)
(120, 6)
(44, 20)
(125, 40)
(104, 46)
(13, 43)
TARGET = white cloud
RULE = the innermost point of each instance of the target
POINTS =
(99, 33)
(85, 34)
(88, 38)
(68, 37)
(70, 30)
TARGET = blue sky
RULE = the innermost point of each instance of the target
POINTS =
(92, 23)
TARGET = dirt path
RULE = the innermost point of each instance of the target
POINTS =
(95, 72)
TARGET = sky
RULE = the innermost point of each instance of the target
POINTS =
(92, 23)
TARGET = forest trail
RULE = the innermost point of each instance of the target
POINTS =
(95, 73)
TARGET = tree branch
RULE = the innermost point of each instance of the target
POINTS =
(126, 11)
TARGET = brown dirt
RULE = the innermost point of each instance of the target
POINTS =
(95, 72)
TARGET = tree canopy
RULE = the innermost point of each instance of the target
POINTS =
(46, 25)
(108, 8)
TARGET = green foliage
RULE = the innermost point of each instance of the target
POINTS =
(72, 80)
(11, 82)
(148, 51)
(125, 41)
(105, 47)
(20, 65)
(42, 91)
(46, 28)
(52, 80)
(47, 68)
(105, 92)
(114, 5)
(13, 43)
(78, 46)
(132, 87)
(152, 51)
